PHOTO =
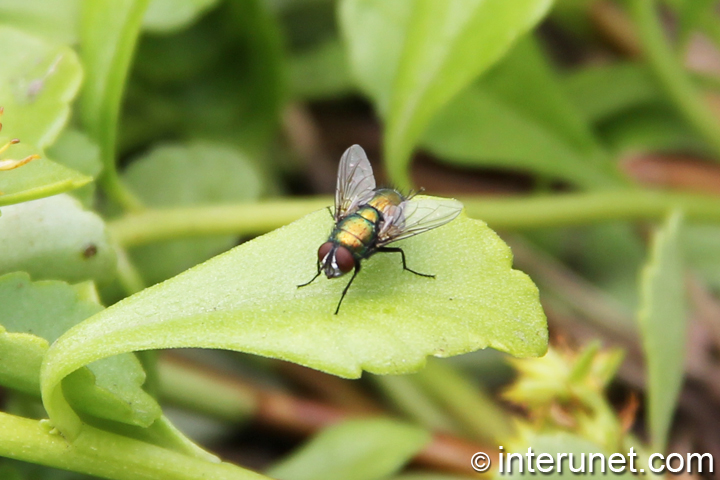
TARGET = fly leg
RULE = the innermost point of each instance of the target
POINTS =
(355, 272)
(313, 279)
(405, 267)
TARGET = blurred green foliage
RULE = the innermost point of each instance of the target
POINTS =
(175, 129)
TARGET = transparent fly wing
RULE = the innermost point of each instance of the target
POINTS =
(416, 216)
(355, 182)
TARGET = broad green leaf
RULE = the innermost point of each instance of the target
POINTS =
(599, 92)
(32, 316)
(196, 174)
(662, 318)
(108, 33)
(366, 449)
(478, 128)
(527, 124)
(54, 238)
(247, 300)
(165, 16)
(38, 80)
(56, 20)
(444, 46)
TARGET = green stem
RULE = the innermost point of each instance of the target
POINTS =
(109, 32)
(96, 452)
(671, 74)
(514, 213)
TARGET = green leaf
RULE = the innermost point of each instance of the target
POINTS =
(599, 92)
(33, 316)
(183, 85)
(38, 80)
(196, 174)
(367, 449)
(247, 300)
(56, 20)
(650, 128)
(479, 129)
(527, 124)
(444, 46)
(166, 16)
(662, 318)
(54, 238)
(37, 179)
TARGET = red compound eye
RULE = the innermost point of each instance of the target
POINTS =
(324, 250)
(345, 260)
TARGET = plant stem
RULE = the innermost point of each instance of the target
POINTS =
(671, 74)
(96, 452)
(514, 213)
(108, 32)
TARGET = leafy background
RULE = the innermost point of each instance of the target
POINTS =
(177, 137)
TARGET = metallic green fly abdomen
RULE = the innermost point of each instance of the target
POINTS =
(369, 218)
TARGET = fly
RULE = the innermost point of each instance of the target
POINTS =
(368, 218)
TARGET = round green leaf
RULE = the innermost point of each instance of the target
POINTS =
(196, 174)
(247, 300)
(38, 80)
(54, 238)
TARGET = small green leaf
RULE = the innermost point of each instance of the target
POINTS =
(37, 179)
(56, 20)
(33, 316)
(38, 80)
(367, 449)
(662, 318)
(166, 16)
(196, 174)
(54, 238)
(247, 299)
(445, 45)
